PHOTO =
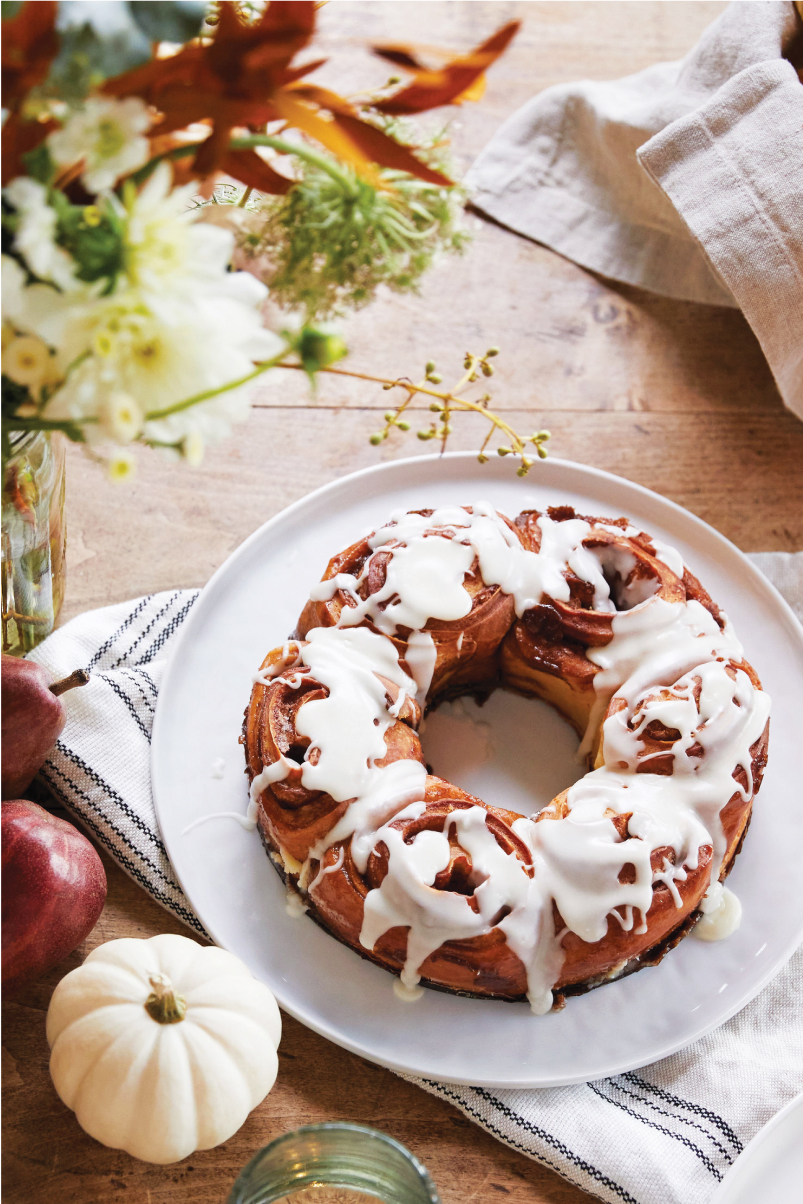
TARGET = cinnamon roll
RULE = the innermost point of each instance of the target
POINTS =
(450, 891)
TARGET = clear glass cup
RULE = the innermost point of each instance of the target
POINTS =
(34, 541)
(334, 1164)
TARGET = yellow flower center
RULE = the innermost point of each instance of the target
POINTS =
(109, 140)
(104, 343)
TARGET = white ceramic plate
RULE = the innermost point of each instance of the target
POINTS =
(250, 606)
(770, 1168)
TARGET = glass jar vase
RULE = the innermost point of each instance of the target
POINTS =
(335, 1163)
(34, 539)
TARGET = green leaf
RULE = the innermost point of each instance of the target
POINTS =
(93, 236)
(39, 164)
(10, 8)
(168, 22)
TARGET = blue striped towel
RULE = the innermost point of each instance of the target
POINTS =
(663, 1135)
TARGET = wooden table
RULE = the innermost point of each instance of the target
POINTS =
(675, 396)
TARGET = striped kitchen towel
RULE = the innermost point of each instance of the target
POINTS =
(663, 1135)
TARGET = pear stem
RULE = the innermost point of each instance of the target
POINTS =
(79, 677)
(164, 1005)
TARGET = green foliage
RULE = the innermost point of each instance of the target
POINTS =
(101, 38)
(39, 164)
(97, 40)
(93, 235)
(175, 22)
(13, 396)
(335, 238)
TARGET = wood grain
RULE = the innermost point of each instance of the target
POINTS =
(674, 396)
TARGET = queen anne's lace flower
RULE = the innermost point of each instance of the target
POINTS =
(108, 136)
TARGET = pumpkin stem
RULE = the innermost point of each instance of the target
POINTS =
(164, 1005)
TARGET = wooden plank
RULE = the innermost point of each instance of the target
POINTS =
(569, 340)
(172, 527)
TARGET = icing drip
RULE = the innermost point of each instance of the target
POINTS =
(407, 897)
(722, 914)
(347, 728)
(406, 994)
(667, 664)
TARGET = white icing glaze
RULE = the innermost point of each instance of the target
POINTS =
(421, 657)
(722, 914)
(667, 662)
(294, 904)
(406, 994)
(669, 555)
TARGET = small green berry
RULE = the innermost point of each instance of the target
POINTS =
(429, 367)
(436, 406)
(491, 352)
(542, 452)
(435, 377)
(483, 459)
(503, 451)
(376, 439)
(544, 435)
(387, 385)
(521, 472)
(389, 416)
(403, 426)
(487, 370)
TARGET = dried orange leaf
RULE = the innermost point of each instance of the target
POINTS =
(385, 151)
(251, 169)
(430, 89)
(30, 43)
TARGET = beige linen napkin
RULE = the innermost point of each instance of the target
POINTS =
(685, 179)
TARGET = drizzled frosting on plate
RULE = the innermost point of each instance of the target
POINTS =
(668, 665)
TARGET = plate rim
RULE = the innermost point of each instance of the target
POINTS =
(758, 579)
(745, 1159)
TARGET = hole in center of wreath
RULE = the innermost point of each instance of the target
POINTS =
(513, 752)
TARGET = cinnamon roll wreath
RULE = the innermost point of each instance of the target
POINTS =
(590, 614)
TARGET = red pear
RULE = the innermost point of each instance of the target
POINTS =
(54, 888)
(33, 716)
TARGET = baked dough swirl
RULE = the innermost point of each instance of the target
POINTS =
(592, 615)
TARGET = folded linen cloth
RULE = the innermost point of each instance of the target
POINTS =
(664, 1135)
(721, 135)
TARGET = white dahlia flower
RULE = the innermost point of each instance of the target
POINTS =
(119, 345)
(108, 135)
(178, 325)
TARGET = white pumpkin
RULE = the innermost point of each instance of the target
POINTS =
(162, 1046)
